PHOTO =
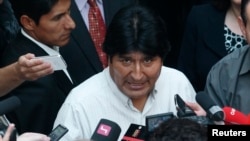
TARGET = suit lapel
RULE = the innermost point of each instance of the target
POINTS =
(63, 81)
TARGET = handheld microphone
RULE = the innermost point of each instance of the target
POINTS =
(135, 133)
(214, 112)
(106, 130)
(4, 123)
(233, 116)
(183, 111)
(9, 104)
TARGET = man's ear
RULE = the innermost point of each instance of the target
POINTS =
(27, 22)
(242, 26)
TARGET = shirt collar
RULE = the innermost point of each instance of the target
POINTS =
(47, 49)
(50, 51)
(81, 3)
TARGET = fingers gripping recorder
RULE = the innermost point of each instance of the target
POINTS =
(183, 111)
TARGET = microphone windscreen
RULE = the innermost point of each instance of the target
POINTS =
(204, 100)
(214, 112)
(9, 104)
(106, 130)
(233, 116)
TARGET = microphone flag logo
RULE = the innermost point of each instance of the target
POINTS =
(104, 130)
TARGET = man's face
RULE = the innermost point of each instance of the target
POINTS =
(55, 27)
(135, 73)
(1, 1)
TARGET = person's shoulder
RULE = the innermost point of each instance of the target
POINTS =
(172, 73)
(167, 69)
(90, 86)
(236, 54)
(232, 60)
(92, 80)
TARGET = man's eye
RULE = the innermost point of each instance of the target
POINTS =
(148, 60)
(125, 60)
(56, 18)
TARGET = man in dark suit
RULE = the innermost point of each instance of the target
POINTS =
(22, 70)
(46, 25)
(80, 54)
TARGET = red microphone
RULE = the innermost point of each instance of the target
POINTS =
(135, 132)
(233, 116)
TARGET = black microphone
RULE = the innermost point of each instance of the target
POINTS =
(9, 104)
(183, 111)
(135, 132)
(214, 112)
(106, 130)
(4, 123)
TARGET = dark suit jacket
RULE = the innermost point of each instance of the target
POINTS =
(40, 99)
(80, 54)
(203, 43)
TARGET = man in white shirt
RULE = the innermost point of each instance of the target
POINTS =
(135, 85)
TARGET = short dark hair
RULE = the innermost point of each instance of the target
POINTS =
(32, 8)
(243, 12)
(136, 28)
(179, 129)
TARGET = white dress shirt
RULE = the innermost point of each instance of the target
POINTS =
(98, 97)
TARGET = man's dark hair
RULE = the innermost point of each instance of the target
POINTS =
(136, 28)
(179, 129)
(32, 8)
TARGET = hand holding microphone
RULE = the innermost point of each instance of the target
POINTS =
(233, 116)
(214, 112)
(7, 105)
(228, 115)
(187, 111)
